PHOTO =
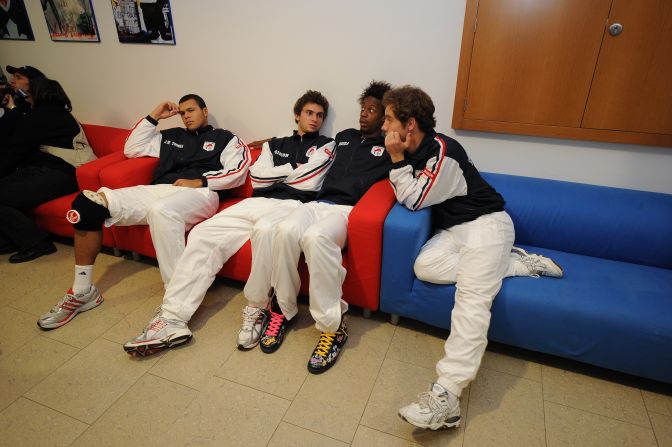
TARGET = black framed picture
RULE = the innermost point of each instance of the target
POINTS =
(144, 21)
(14, 23)
(70, 20)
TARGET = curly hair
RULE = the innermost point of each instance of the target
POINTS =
(195, 97)
(48, 91)
(375, 89)
(411, 102)
(311, 96)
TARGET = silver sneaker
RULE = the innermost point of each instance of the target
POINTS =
(537, 265)
(433, 410)
(70, 305)
(159, 334)
(254, 320)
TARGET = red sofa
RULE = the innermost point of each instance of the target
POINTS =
(361, 258)
(108, 145)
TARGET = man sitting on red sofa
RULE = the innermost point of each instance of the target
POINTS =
(320, 230)
(289, 171)
(194, 163)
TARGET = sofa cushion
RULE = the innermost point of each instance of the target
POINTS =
(612, 223)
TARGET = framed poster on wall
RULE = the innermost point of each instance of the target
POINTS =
(70, 20)
(144, 21)
(14, 23)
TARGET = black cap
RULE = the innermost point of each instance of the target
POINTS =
(27, 71)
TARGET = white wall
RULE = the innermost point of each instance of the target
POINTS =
(251, 59)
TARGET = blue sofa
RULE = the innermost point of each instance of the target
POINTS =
(613, 308)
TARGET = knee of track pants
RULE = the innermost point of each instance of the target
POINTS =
(87, 215)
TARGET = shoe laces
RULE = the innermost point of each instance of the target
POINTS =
(64, 299)
(325, 343)
(250, 317)
(274, 325)
(435, 403)
(534, 263)
(156, 324)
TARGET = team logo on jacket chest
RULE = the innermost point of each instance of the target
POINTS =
(311, 151)
(208, 145)
(377, 151)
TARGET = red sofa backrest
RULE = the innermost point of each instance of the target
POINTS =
(105, 140)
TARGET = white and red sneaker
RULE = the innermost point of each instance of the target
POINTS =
(70, 305)
(159, 334)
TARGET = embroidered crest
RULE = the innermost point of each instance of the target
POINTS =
(208, 145)
(73, 216)
(377, 150)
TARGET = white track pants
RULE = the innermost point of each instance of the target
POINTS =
(320, 230)
(476, 256)
(168, 210)
(214, 241)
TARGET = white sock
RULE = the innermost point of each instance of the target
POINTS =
(83, 279)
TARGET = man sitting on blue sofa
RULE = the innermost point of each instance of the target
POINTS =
(194, 164)
(472, 246)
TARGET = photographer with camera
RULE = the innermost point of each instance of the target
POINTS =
(14, 98)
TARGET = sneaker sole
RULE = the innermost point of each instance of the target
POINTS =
(438, 426)
(242, 347)
(88, 306)
(158, 346)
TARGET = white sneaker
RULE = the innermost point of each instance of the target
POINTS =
(435, 409)
(160, 333)
(68, 307)
(537, 265)
(254, 320)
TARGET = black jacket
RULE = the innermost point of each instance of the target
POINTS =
(359, 163)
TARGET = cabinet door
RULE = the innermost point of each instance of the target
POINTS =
(632, 89)
(533, 60)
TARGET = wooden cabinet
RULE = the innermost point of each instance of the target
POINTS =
(553, 68)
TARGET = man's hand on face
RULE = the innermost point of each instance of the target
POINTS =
(395, 146)
(8, 101)
(196, 183)
(165, 110)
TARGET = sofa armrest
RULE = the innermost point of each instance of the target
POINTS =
(130, 172)
(88, 174)
(365, 243)
(404, 235)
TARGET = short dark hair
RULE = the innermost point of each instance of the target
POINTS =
(411, 102)
(48, 91)
(375, 89)
(198, 99)
(311, 96)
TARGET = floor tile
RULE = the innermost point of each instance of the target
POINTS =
(398, 384)
(343, 390)
(17, 329)
(511, 365)
(657, 403)
(566, 426)
(26, 367)
(230, 414)
(417, 347)
(504, 410)
(26, 423)
(215, 327)
(281, 373)
(368, 437)
(662, 428)
(134, 323)
(594, 395)
(141, 416)
(288, 435)
(90, 382)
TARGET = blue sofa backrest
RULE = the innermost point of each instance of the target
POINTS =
(611, 223)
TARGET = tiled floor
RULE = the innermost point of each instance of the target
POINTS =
(76, 386)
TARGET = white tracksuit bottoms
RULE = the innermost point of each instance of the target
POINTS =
(168, 210)
(476, 257)
(214, 241)
(320, 230)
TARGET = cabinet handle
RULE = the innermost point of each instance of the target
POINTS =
(615, 29)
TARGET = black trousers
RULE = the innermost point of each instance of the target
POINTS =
(25, 189)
